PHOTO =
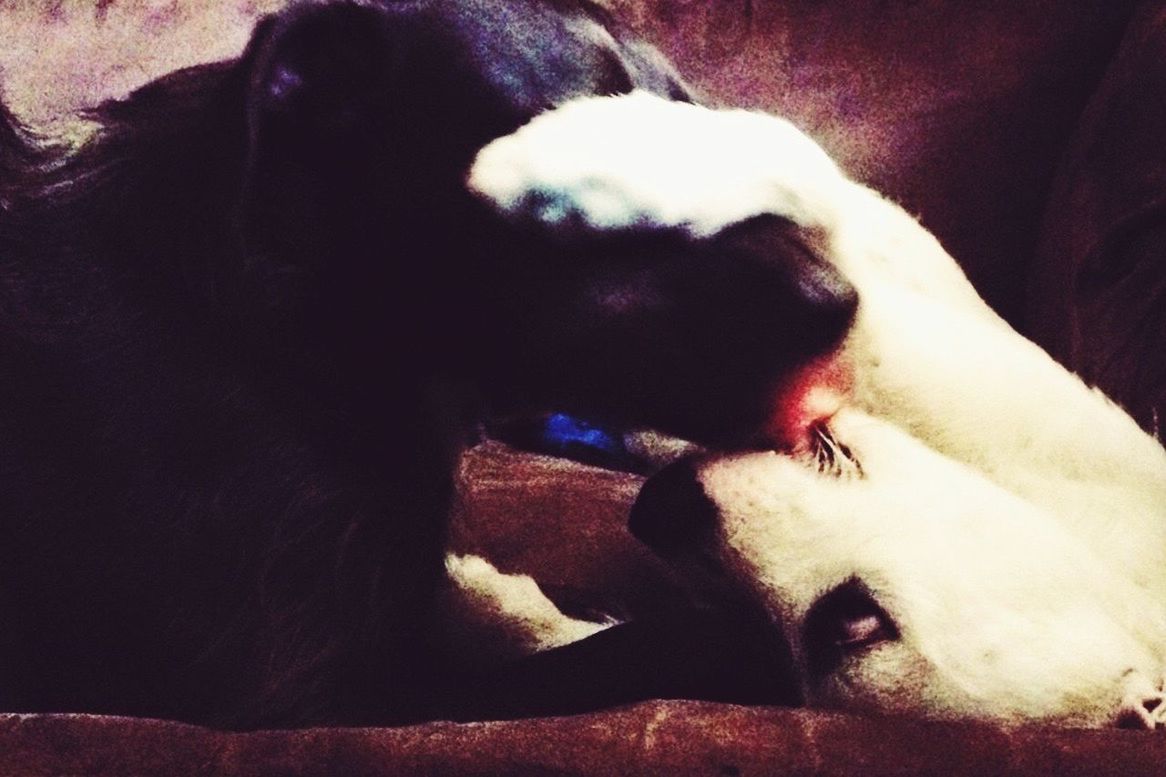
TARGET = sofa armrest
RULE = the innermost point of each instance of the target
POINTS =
(658, 738)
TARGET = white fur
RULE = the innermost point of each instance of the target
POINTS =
(1011, 521)
(611, 163)
(1002, 612)
(487, 616)
(640, 160)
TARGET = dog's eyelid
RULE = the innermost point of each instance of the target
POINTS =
(843, 621)
(861, 630)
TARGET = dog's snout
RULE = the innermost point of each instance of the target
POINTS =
(672, 512)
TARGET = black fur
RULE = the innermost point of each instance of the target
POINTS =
(230, 353)
(242, 330)
(653, 327)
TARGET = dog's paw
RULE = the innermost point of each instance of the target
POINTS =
(1144, 703)
(627, 161)
(487, 616)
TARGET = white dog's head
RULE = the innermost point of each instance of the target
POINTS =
(982, 539)
(907, 582)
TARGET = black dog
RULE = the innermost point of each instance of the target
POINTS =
(242, 331)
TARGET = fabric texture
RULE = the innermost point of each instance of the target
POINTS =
(1098, 283)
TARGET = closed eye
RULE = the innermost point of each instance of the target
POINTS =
(844, 622)
(831, 456)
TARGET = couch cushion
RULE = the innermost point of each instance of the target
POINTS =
(659, 738)
(1099, 282)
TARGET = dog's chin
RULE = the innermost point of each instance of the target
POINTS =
(804, 403)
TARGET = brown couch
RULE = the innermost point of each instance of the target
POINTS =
(1026, 133)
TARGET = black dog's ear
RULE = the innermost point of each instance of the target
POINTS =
(318, 70)
(318, 83)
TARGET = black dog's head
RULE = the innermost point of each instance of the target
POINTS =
(363, 123)
(314, 194)
(369, 115)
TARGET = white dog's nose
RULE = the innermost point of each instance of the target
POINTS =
(673, 512)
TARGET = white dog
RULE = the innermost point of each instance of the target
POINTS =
(955, 525)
